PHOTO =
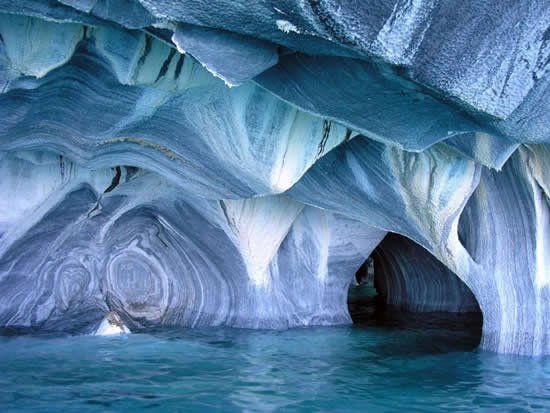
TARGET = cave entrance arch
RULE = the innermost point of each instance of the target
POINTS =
(402, 285)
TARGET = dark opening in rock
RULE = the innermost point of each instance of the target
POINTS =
(402, 286)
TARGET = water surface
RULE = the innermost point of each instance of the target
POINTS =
(402, 363)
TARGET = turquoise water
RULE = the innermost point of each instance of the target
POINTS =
(417, 364)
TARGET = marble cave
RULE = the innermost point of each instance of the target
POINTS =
(229, 163)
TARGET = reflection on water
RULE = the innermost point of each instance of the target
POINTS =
(430, 333)
(400, 363)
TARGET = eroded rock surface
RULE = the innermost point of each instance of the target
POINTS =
(192, 163)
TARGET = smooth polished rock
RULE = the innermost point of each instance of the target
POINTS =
(232, 57)
(162, 111)
(494, 236)
(136, 181)
(127, 241)
(506, 229)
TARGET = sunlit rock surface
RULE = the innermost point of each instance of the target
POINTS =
(192, 163)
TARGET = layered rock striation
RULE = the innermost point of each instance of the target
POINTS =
(191, 163)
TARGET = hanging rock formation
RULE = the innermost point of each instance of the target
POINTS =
(192, 163)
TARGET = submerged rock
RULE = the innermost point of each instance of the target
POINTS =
(136, 181)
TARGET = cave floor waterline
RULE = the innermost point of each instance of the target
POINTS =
(225, 205)
(386, 359)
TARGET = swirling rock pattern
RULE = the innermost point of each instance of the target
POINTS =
(137, 248)
(511, 273)
(234, 163)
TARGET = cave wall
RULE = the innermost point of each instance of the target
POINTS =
(411, 279)
(505, 227)
(227, 163)
(128, 241)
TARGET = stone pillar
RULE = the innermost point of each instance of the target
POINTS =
(506, 228)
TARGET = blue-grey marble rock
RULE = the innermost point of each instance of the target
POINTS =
(368, 98)
(234, 58)
(411, 279)
(127, 241)
(372, 99)
(491, 56)
(419, 195)
(127, 13)
(135, 181)
(490, 228)
(127, 94)
(488, 54)
(506, 229)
